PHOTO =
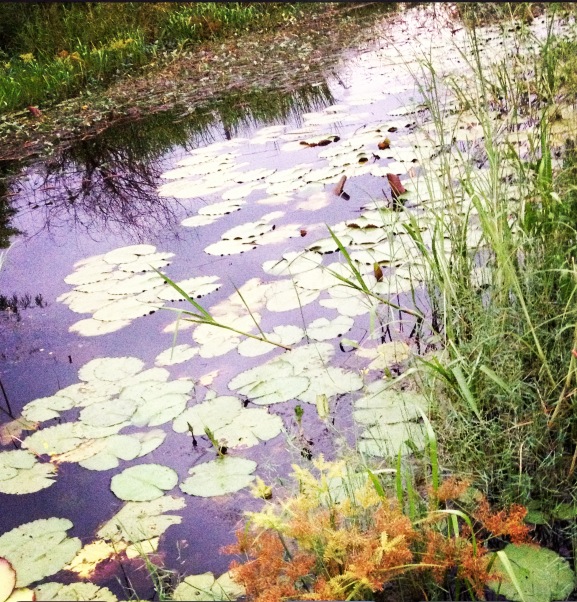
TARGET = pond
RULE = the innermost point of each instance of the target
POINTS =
(233, 204)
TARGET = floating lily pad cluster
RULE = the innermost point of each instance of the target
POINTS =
(122, 285)
(302, 374)
(114, 393)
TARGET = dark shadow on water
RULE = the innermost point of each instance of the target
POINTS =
(108, 183)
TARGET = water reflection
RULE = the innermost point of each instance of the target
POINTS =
(108, 183)
(7, 211)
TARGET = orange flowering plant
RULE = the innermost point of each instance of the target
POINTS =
(342, 538)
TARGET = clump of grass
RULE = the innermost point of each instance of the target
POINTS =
(511, 340)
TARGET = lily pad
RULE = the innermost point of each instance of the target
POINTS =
(87, 592)
(323, 329)
(230, 423)
(91, 555)
(38, 549)
(143, 482)
(110, 369)
(206, 587)
(219, 477)
(176, 355)
(139, 521)
(20, 472)
(542, 574)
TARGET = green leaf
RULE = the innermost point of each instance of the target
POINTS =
(541, 575)
(38, 549)
(87, 592)
(21, 473)
(206, 587)
(143, 482)
(219, 477)
(139, 521)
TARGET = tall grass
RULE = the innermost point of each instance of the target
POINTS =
(508, 415)
(51, 51)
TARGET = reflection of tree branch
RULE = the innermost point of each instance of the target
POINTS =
(109, 183)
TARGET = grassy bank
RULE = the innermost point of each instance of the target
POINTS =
(505, 304)
(53, 51)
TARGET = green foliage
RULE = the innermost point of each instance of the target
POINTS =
(51, 51)
(510, 372)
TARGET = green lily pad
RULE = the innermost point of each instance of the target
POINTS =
(38, 549)
(20, 472)
(323, 329)
(86, 592)
(143, 482)
(110, 369)
(542, 574)
(140, 521)
(206, 587)
(231, 424)
(219, 477)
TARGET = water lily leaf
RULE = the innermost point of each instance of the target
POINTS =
(90, 556)
(47, 408)
(7, 579)
(542, 574)
(139, 521)
(139, 549)
(176, 355)
(22, 594)
(206, 587)
(322, 329)
(230, 423)
(273, 382)
(21, 473)
(219, 477)
(356, 304)
(330, 381)
(386, 440)
(84, 303)
(103, 453)
(215, 341)
(149, 440)
(110, 369)
(254, 347)
(283, 295)
(147, 263)
(125, 308)
(108, 413)
(135, 284)
(385, 355)
(88, 274)
(161, 410)
(293, 263)
(308, 357)
(193, 287)
(197, 221)
(90, 327)
(143, 482)
(128, 254)
(218, 209)
(64, 437)
(87, 592)
(38, 549)
(384, 405)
